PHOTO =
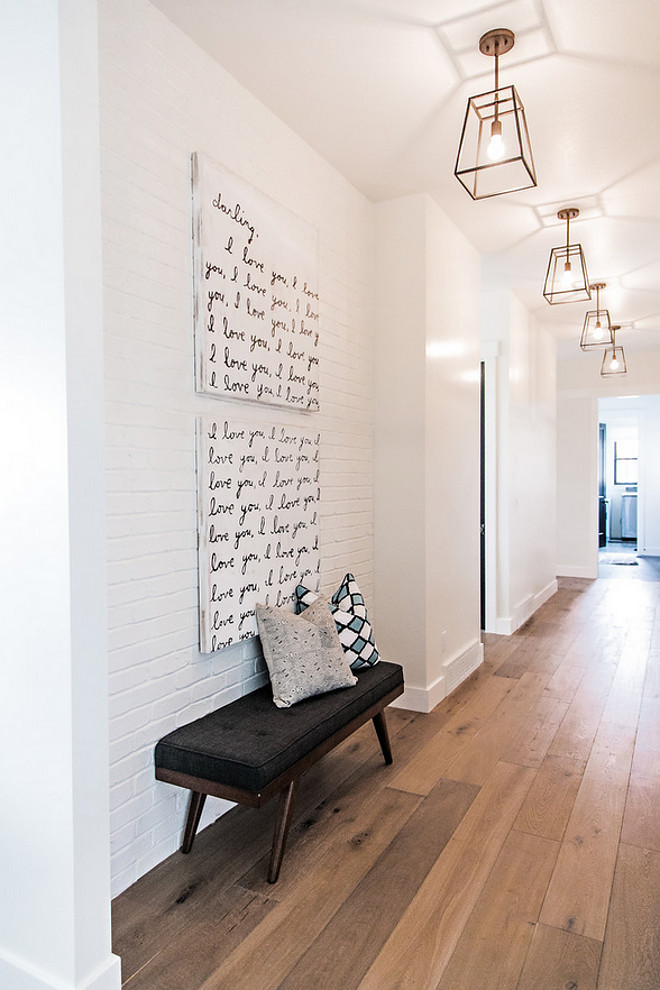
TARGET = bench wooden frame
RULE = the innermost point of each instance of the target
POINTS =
(286, 784)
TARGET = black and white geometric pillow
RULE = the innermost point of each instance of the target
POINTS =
(349, 611)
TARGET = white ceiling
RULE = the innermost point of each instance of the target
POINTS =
(379, 89)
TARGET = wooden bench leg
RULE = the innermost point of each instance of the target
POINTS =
(383, 735)
(195, 806)
(287, 798)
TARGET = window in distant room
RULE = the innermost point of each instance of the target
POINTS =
(625, 462)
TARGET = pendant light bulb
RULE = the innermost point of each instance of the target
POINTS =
(496, 148)
(614, 364)
(567, 278)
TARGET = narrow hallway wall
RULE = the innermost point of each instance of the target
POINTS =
(427, 448)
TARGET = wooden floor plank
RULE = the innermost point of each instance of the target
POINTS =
(631, 955)
(341, 955)
(641, 818)
(477, 759)
(579, 891)
(502, 923)
(565, 681)
(424, 771)
(558, 960)
(576, 734)
(421, 945)
(266, 956)
(190, 959)
(530, 745)
(548, 806)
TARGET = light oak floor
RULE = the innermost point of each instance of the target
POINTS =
(513, 845)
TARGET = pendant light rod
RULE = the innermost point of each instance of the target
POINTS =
(598, 286)
(570, 213)
(494, 43)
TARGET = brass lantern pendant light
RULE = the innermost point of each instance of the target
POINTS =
(495, 154)
(566, 279)
(597, 328)
(614, 360)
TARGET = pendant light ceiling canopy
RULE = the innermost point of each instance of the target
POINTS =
(614, 360)
(597, 327)
(566, 279)
(495, 154)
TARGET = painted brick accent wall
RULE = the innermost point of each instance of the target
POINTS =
(162, 98)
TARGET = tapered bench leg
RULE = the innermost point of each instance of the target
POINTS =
(287, 798)
(195, 806)
(383, 735)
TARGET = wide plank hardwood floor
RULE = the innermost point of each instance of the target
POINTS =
(514, 844)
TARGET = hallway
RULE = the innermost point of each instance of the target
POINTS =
(513, 845)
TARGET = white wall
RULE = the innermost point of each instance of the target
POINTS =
(427, 448)
(523, 537)
(54, 854)
(577, 487)
(161, 98)
(579, 386)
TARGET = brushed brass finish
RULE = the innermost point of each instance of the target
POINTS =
(497, 42)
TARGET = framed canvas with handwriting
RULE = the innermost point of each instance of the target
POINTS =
(256, 297)
(258, 505)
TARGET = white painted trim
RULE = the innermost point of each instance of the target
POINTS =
(649, 552)
(456, 670)
(19, 975)
(526, 609)
(568, 570)
(416, 699)
(541, 597)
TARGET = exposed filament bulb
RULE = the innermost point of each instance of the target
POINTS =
(496, 149)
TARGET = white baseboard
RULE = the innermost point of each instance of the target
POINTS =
(416, 699)
(568, 570)
(649, 552)
(455, 670)
(20, 975)
(525, 610)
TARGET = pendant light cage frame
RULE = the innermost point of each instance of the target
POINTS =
(569, 257)
(597, 326)
(614, 354)
(498, 112)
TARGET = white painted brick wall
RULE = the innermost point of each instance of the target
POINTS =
(161, 99)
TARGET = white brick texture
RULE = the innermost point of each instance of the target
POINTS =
(161, 99)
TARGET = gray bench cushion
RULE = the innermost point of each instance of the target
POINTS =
(250, 742)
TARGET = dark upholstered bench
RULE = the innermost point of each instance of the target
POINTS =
(251, 750)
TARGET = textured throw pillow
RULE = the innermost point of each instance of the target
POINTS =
(350, 614)
(302, 652)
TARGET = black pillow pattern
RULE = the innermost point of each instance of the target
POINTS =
(349, 611)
